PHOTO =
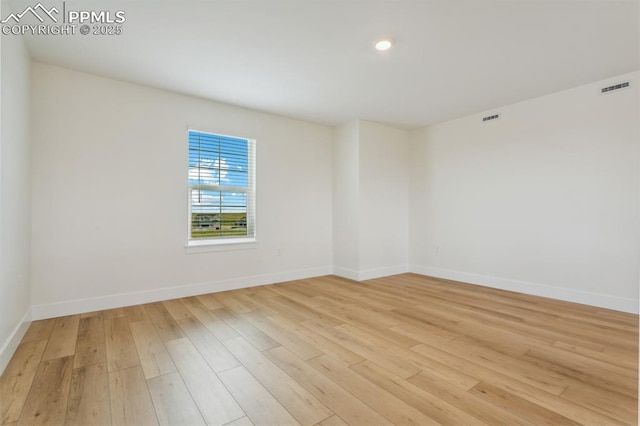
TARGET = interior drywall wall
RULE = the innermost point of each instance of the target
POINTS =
(370, 184)
(110, 194)
(542, 200)
(15, 196)
(384, 200)
(346, 256)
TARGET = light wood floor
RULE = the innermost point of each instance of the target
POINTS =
(400, 350)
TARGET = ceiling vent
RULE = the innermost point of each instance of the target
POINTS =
(615, 87)
(491, 117)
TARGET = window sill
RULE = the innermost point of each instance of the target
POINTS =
(221, 245)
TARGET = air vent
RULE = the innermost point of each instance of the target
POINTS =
(614, 87)
(491, 117)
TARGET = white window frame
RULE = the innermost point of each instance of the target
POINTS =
(201, 245)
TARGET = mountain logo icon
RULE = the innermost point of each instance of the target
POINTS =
(39, 11)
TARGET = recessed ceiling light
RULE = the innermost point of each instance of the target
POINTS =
(384, 44)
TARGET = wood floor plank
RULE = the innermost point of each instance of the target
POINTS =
(497, 338)
(332, 285)
(332, 421)
(425, 333)
(92, 314)
(287, 339)
(607, 314)
(512, 385)
(598, 374)
(404, 349)
(136, 313)
(299, 311)
(62, 341)
(365, 349)
(355, 314)
(519, 406)
(18, 377)
(439, 410)
(214, 324)
(400, 339)
(113, 313)
(333, 396)
(301, 287)
(153, 355)
(89, 396)
(90, 346)
(612, 404)
(461, 379)
(212, 350)
(254, 303)
(465, 324)
(121, 349)
(300, 403)
(257, 338)
(166, 326)
(616, 352)
(214, 400)
(594, 324)
(177, 309)
(629, 362)
(477, 407)
(525, 371)
(130, 400)
(232, 302)
(383, 293)
(356, 288)
(261, 407)
(532, 330)
(243, 421)
(328, 347)
(592, 332)
(286, 307)
(496, 306)
(47, 400)
(172, 401)
(394, 409)
(265, 291)
(39, 330)
(209, 301)
(313, 308)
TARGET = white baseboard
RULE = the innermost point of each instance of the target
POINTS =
(369, 274)
(9, 347)
(570, 295)
(352, 274)
(78, 306)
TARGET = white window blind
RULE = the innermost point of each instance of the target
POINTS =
(221, 187)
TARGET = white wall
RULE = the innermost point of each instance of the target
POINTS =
(370, 183)
(110, 195)
(15, 196)
(384, 200)
(346, 200)
(543, 200)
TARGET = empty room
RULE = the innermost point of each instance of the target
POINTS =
(311, 212)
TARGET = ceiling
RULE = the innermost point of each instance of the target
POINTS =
(314, 59)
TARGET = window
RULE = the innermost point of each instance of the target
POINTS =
(221, 188)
